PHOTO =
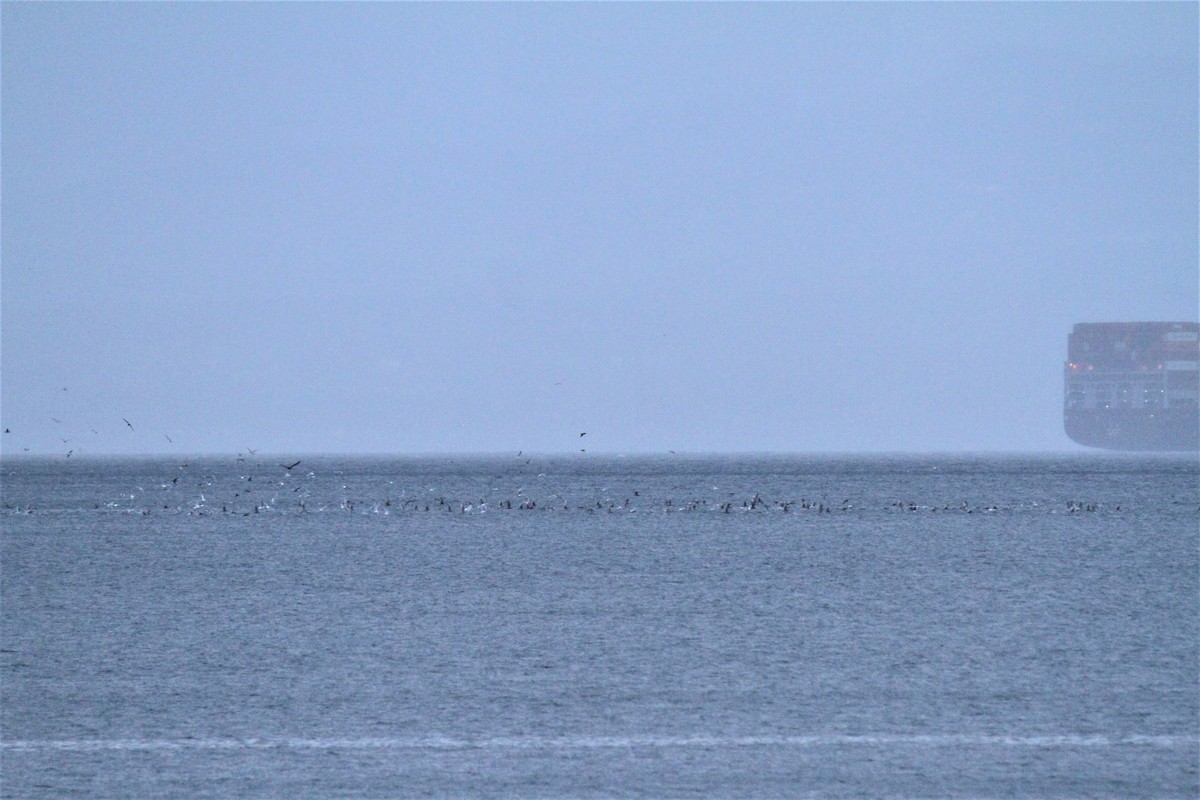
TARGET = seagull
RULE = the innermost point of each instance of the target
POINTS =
(289, 466)
(583, 434)
(169, 439)
(127, 422)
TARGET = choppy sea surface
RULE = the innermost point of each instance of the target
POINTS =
(595, 627)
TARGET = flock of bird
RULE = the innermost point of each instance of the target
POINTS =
(71, 451)
(74, 437)
(282, 493)
(218, 491)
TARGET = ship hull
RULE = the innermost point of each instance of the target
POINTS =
(1134, 431)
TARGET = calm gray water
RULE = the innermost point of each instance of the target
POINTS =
(506, 627)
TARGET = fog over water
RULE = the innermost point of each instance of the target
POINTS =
(303, 228)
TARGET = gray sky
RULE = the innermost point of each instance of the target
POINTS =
(487, 227)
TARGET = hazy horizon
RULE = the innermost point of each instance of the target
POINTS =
(270, 458)
(488, 228)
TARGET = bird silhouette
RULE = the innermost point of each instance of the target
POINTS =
(289, 466)
(127, 422)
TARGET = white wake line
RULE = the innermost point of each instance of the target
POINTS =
(606, 742)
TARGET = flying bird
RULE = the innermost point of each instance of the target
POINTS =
(127, 422)
(289, 466)
(583, 434)
(169, 439)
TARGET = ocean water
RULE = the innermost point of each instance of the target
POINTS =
(596, 627)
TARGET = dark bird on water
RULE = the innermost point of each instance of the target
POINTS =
(127, 422)
(289, 466)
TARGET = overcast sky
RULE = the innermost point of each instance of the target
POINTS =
(408, 228)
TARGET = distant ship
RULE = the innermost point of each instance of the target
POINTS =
(1133, 385)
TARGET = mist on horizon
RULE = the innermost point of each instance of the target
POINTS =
(441, 228)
